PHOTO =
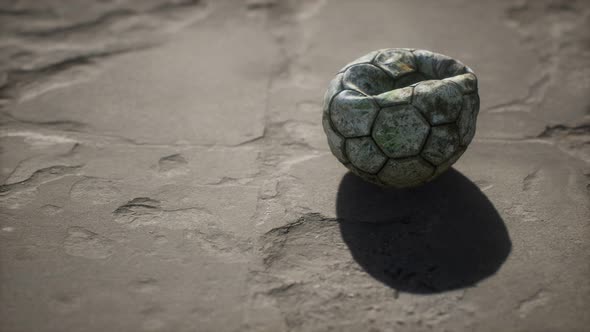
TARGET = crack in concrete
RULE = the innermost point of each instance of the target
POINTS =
(565, 130)
(41, 176)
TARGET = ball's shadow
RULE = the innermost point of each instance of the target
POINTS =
(442, 236)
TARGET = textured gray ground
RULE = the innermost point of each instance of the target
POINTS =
(165, 169)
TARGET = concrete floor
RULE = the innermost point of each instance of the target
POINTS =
(164, 168)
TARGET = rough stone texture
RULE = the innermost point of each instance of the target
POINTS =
(335, 141)
(467, 82)
(467, 118)
(396, 62)
(439, 101)
(367, 79)
(404, 172)
(438, 65)
(367, 58)
(334, 87)
(202, 227)
(445, 165)
(400, 131)
(353, 113)
(403, 83)
(395, 97)
(442, 143)
(364, 154)
(409, 79)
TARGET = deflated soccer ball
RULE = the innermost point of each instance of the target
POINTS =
(400, 117)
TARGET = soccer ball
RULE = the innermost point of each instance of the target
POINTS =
(400, 117)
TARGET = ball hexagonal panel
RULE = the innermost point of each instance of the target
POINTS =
(400, 131)
(468, 118)
(352, 113)
(439, 101)
(396, 61)
(367, 79)
(405, 172)
(364, 154)
(335, 141)
(441, 145)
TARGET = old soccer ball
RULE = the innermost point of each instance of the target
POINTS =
(401, 117)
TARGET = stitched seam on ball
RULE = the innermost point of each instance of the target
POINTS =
(376, 55)
(345, 153)
(454, 127)
(386, 73)
(361, 136)
(417, 64)
(378, 147)
(424, 143)
(379, 108)
(374, 118)
(421, 113)
(330, 112)
(375, 141)
(354, 65)
(429, 163)
(382, 166)
(457, 85)
(461, 88)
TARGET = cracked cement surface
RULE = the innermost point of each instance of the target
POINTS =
(164, 168)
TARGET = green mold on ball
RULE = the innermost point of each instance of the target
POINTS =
(400, 117)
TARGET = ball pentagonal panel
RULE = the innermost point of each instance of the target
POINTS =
(443, 142)
(367, 79)
(335, 141)
(364, 154)
(468, 118)
(439, 101)
(396, 61)
(405, 172)
(352, 113)
(400, 131)
(334, 87)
